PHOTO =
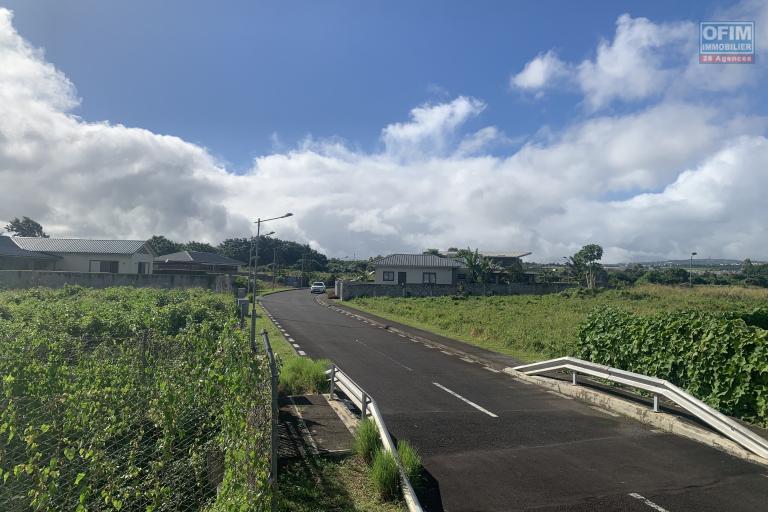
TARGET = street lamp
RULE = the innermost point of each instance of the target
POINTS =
(690, 272)
(252, 262)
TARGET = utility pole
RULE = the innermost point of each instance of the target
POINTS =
(690, 271)
(274, 269)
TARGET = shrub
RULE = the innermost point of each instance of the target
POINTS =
(385, 475)
(717, 357)
(367, 440)
(303, 375)
(411, 461)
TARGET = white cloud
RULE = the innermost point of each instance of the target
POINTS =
(431, 128)
(674, 177)
(541, 72)
(638, 63)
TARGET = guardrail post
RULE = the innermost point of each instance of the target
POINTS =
(655, 403)
(573, 378)
(365, 404)
(333, 380)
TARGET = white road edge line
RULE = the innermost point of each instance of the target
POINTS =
(470, 402)
(648, 502)
(491, 369)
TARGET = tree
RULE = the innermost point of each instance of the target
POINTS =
(435, 252)
(747, 267)
(584, 264)
(25, 227)
(473, 261)
(162, 245)
(199, 247)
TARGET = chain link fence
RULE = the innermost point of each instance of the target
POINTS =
(163, 419)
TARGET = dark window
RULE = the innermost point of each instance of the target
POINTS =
(143, 267)
(429, 277)
(461, 277)
(388, 276)
(109, 266)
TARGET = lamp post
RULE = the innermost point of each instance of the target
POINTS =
(255, 253)
(690, 271)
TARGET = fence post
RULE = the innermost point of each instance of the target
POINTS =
(275, 415)
(574, 378)
(333, 380)
(365, 405)
(655, 403)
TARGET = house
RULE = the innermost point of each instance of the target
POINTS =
(197, 262)
(83, 255)
(416, 269)
(13, 257)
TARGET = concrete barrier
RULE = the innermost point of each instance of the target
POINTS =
(22, 279)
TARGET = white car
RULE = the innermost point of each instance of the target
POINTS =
(317, 287)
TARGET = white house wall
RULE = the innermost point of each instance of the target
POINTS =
(80, 262)
(415, 275)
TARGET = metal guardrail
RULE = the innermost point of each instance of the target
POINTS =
(659, 387)
(340, 381)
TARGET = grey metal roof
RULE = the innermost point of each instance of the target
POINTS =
(8, 249)
(417, 260)
(204, 258)
(80, 245)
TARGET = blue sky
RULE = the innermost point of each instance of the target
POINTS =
(387, 126)
(229, 75)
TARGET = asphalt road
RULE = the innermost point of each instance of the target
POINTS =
(491, 442)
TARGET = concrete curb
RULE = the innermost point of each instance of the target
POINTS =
(662, 421)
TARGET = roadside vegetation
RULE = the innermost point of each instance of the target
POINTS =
(534, 327)
(128, 398)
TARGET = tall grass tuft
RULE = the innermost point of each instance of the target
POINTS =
(385, 475)
(411, 461)
(303, 375)
(367, 441)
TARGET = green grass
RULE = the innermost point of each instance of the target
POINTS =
(301, 375)
(325, 484)
(411, 461)
(532, 327)
(367, 440)
(385, 475)
(280, 346)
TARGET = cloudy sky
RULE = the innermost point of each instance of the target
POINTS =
(386, 127)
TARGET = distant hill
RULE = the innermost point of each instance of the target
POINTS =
(697, 262)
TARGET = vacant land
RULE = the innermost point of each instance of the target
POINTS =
(129, 398)
(533, 327)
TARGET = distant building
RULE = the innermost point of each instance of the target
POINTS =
(416, 269)
(13, 257)
(196, 262)
(442, 269)
(76, 255)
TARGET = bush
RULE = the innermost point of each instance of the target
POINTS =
(411, 461)
(386, 477)
(301, 375)
(717, 357)
(367, 441)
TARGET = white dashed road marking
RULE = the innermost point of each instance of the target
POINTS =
(302, 353)
(648, 502)
(473, 404)
(491, 369)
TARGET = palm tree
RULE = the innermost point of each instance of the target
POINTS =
(474, 263)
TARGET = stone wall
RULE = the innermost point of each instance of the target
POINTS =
(346, 290)
(15, 279)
